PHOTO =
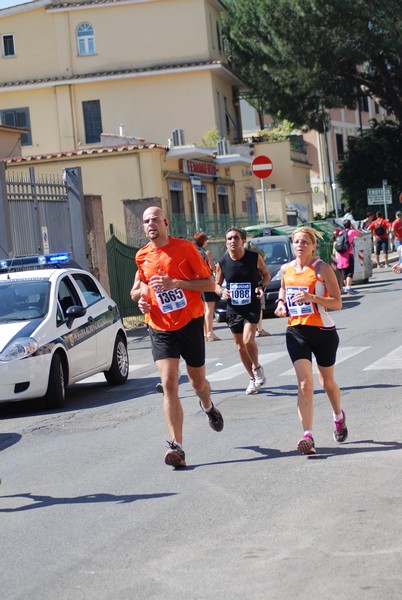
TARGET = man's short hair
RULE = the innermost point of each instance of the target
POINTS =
(240, 231)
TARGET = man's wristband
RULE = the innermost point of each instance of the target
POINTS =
(280, 300)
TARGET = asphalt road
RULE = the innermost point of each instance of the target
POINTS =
(89, 510)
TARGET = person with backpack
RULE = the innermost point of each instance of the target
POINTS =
(380, 228)
(345, 259)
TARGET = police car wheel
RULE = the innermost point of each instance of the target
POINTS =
(55, 396)
(118, 372)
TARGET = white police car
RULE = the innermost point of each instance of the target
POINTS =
(57, 326)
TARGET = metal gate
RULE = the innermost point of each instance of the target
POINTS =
(122, 269)
(42, 215)
(39, 214)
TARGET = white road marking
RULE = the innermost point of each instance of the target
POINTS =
(344, 353)
(215, 372)
(238, 369)
(392, 360)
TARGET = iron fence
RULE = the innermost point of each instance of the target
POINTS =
(212, 226)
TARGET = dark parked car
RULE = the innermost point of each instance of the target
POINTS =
(278, 251)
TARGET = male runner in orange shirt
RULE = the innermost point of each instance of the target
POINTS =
(173, 275)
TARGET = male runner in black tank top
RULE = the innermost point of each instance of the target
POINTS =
(245, 273)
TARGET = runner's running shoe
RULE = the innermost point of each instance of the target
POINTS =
(306, 445)
(341, 431)
(259, 377)
(215, 418)
(159, 387)
(175, 456)
(251, 389)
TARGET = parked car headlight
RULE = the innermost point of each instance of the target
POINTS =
(19, 348)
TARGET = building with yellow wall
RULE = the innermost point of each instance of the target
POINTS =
(154, 66)
(10, 141)
(127, 90)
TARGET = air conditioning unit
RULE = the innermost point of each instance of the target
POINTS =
(178, 137)
(223, 147)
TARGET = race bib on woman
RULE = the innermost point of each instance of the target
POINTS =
(298, 309)
(170, 300)
(240, 293)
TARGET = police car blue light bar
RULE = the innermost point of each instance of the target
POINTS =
(23, 262)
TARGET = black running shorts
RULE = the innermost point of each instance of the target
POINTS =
(350, 269)
(237, 321)
(303, 341)
(187, 342)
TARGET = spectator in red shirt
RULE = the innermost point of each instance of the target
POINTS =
(380, 228)
(397, 229)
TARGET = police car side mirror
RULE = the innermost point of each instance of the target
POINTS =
(73, 312)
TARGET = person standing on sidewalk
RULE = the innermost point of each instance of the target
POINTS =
(308, 289)
(349, 214)
(245, 273)
(345, 261)
(368, 220)
(173, 275)
(397, 229)
(210, 298)
(380, 228)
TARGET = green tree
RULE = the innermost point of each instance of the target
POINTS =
(298, 56)
(279, 131)
(211, 138)
(370, 158)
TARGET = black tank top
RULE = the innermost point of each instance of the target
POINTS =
(242, 271)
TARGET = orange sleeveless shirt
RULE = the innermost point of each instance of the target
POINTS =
(306, 313)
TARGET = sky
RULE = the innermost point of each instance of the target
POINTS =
(7, 3)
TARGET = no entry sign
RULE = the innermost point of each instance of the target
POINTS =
(262, 167)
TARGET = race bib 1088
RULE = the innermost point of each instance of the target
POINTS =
(240, 293)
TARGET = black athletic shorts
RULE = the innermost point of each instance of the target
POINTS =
(304, 340)
(350, 269)
(236, 321)
(210, 297)
(187, 342)
(381, 244)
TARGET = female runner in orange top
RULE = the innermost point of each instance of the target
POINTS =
(309, 288)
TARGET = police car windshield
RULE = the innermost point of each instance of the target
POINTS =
(23, 300)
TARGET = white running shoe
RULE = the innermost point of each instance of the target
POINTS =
(251, 389)
(259, 377)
